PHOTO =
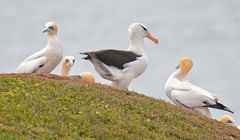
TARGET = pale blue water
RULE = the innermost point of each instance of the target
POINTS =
(206, 30)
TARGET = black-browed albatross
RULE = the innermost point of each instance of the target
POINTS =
(123, 66)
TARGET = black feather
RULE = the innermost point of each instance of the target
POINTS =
(218, 106)
(116, 58)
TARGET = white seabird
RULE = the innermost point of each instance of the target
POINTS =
(122, 66)
(45, 60)
(67, 64)
(185, 94)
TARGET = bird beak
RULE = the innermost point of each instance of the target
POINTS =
(46, 30)
(178, 66)
(151, 37)
(71, 62)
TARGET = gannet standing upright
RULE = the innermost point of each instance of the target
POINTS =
(123, 66)
(188, 95)
(45, 60)
(68, 62)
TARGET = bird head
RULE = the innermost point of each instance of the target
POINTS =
(87, 77)
(50, 28)
(140, 31)
(185, 65)
(68, 61)
(226, 119)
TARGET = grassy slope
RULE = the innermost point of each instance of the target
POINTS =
(48, 107)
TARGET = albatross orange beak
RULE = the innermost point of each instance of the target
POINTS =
(151, 37)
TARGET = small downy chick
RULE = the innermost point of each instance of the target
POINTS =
(68, 62)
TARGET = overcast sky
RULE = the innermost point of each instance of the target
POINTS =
(208, 31)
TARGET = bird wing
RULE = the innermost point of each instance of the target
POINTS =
(190, 95)
(30, 64)
(115, 58)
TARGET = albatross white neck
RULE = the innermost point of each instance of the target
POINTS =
(137, 45)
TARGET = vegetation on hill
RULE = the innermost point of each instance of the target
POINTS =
(53, 107)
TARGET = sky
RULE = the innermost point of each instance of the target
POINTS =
(208, 31)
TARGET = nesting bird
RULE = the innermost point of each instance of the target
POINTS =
(67, 64)
(45, 60)
(227, 119)
(123, 66)
(186, 94)
(87, 77)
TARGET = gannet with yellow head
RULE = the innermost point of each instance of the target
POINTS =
(45, 60)
(227, 119)
(87, 77)
(185, 94)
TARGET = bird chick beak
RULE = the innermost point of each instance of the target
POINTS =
(71, 62)
(151, 37)
(46, 30)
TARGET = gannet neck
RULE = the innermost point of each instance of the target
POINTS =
(175, 76)
(180, 74)
(137, 45)
(65, 69)
(53, 40)
(172, 79)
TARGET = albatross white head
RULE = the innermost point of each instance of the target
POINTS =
(185, 65)
(68, 62)
(137, 33)
(51, 29)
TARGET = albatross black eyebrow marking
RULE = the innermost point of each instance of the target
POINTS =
(143, 27)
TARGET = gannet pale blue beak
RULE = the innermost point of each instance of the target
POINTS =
(47, 29)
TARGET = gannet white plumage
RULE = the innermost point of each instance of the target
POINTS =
(227, 119)
(45, 60)
(123, 66)
(186, 94)
(67, 64)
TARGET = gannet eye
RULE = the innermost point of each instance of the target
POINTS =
(143, 27)
(51, 27)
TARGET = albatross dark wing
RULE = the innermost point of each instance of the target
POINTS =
(116, 58)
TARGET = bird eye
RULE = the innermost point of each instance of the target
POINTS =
(143, 27)
(51, 27)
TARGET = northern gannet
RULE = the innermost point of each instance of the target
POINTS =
(45, 60)
(123, 66)
(87, 77)
(68, 62)
(185, 94)
(227, 119)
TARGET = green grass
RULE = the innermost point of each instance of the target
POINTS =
(52, 107)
